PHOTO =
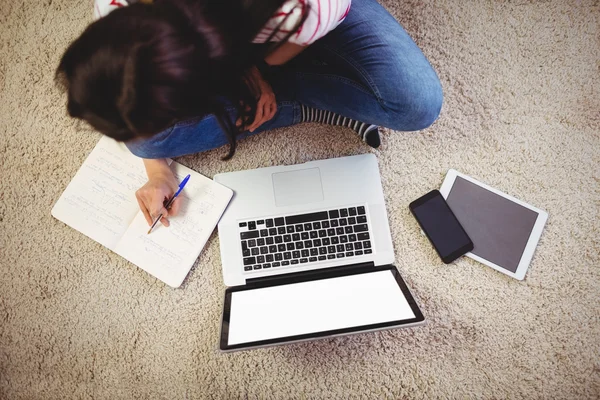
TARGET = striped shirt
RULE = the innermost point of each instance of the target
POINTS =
(323, 17)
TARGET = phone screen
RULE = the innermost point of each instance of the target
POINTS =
(441, 226)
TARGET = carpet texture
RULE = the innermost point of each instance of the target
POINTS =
(521, 113)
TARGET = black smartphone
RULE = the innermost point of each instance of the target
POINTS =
(441, 226)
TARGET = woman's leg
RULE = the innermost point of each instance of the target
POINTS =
(368, 69)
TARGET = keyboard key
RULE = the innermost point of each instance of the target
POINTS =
(348, 229)
(273, 231)
(334, 214)
(349, 247)
(260, 222)
(312, 259)
(289, 229)
(322, 250)
(287, 255)
(326, 241)
(352, 211)
(267, 265)
(349, 254)
(340, 255)
(368, 251)
(344, 212)
(278, 239)
(244, 245)
(264, 232)
(316, 225)
(294, 262)
(308, 244)
(330, 256)
(308, 226)
(314, 252)
(260, 242)
(366, 244)
(360, 210)
(290, 246)
(255, 251)
(343, 222)
(298, 219)
(278, 256)
(334, 223)
(340, 248)
(279, 221)
(344, 239)
(351, 221)
(322, 233)
(358, 246)
(361, 219)
(257, 267)
(269, 241)
(285, 263)
(304, 253)
(249, 235)
(339, 231)
(317, 242)
(269, 223)
(335, 240)
(299, 228)
(361, 228)
(281, 247)
(281, 230)
(260, 259)
(287, 238)
(252, 225)
(242, 224)
(296, 237)
(314, 234)
(352, 237)
(249, 260)
(248, 268)
(304, 235)
(246, 253)
(330, 232)
(304, 260)
(331, 249)
(299, 245)
(358, 253)
(272, 249)
(325, 224)
(363, 236)
(296, 254)
(321, 258)
(276, 264)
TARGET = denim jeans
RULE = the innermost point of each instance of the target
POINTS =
(367, 69)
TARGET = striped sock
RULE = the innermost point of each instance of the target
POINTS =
(368, 133)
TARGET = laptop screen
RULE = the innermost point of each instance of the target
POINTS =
(295, 310)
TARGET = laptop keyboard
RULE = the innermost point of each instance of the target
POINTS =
(305, 238)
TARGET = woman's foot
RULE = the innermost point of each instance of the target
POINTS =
(368, 133)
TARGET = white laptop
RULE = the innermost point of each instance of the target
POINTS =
(307, 253)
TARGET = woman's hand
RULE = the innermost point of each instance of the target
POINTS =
(159, 189)
(266, 105)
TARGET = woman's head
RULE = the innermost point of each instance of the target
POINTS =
(143, 67)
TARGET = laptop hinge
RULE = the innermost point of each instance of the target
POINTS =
(321, 273)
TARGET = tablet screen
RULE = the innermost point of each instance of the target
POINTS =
(498, 227)
(322, 305)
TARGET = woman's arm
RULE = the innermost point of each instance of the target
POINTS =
(161, 186)
(284, 53)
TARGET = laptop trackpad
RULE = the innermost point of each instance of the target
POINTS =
(297, 187)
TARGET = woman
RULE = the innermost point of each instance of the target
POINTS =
(177, 77)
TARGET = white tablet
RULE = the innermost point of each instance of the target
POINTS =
(505, 231)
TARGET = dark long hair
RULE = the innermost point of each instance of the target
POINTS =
(144, 67)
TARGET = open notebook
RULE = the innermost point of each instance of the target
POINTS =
(100, 202)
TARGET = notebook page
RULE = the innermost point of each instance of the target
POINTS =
(100, 200)
(169, 253)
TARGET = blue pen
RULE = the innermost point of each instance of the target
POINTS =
(181, 186)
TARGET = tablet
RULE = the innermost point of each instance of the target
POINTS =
(505, 231)
(315, 306)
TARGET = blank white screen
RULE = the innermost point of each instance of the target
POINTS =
(316, 306)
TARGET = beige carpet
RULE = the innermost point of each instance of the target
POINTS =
(522, 90)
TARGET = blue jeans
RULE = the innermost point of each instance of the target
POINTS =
(367, 69)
